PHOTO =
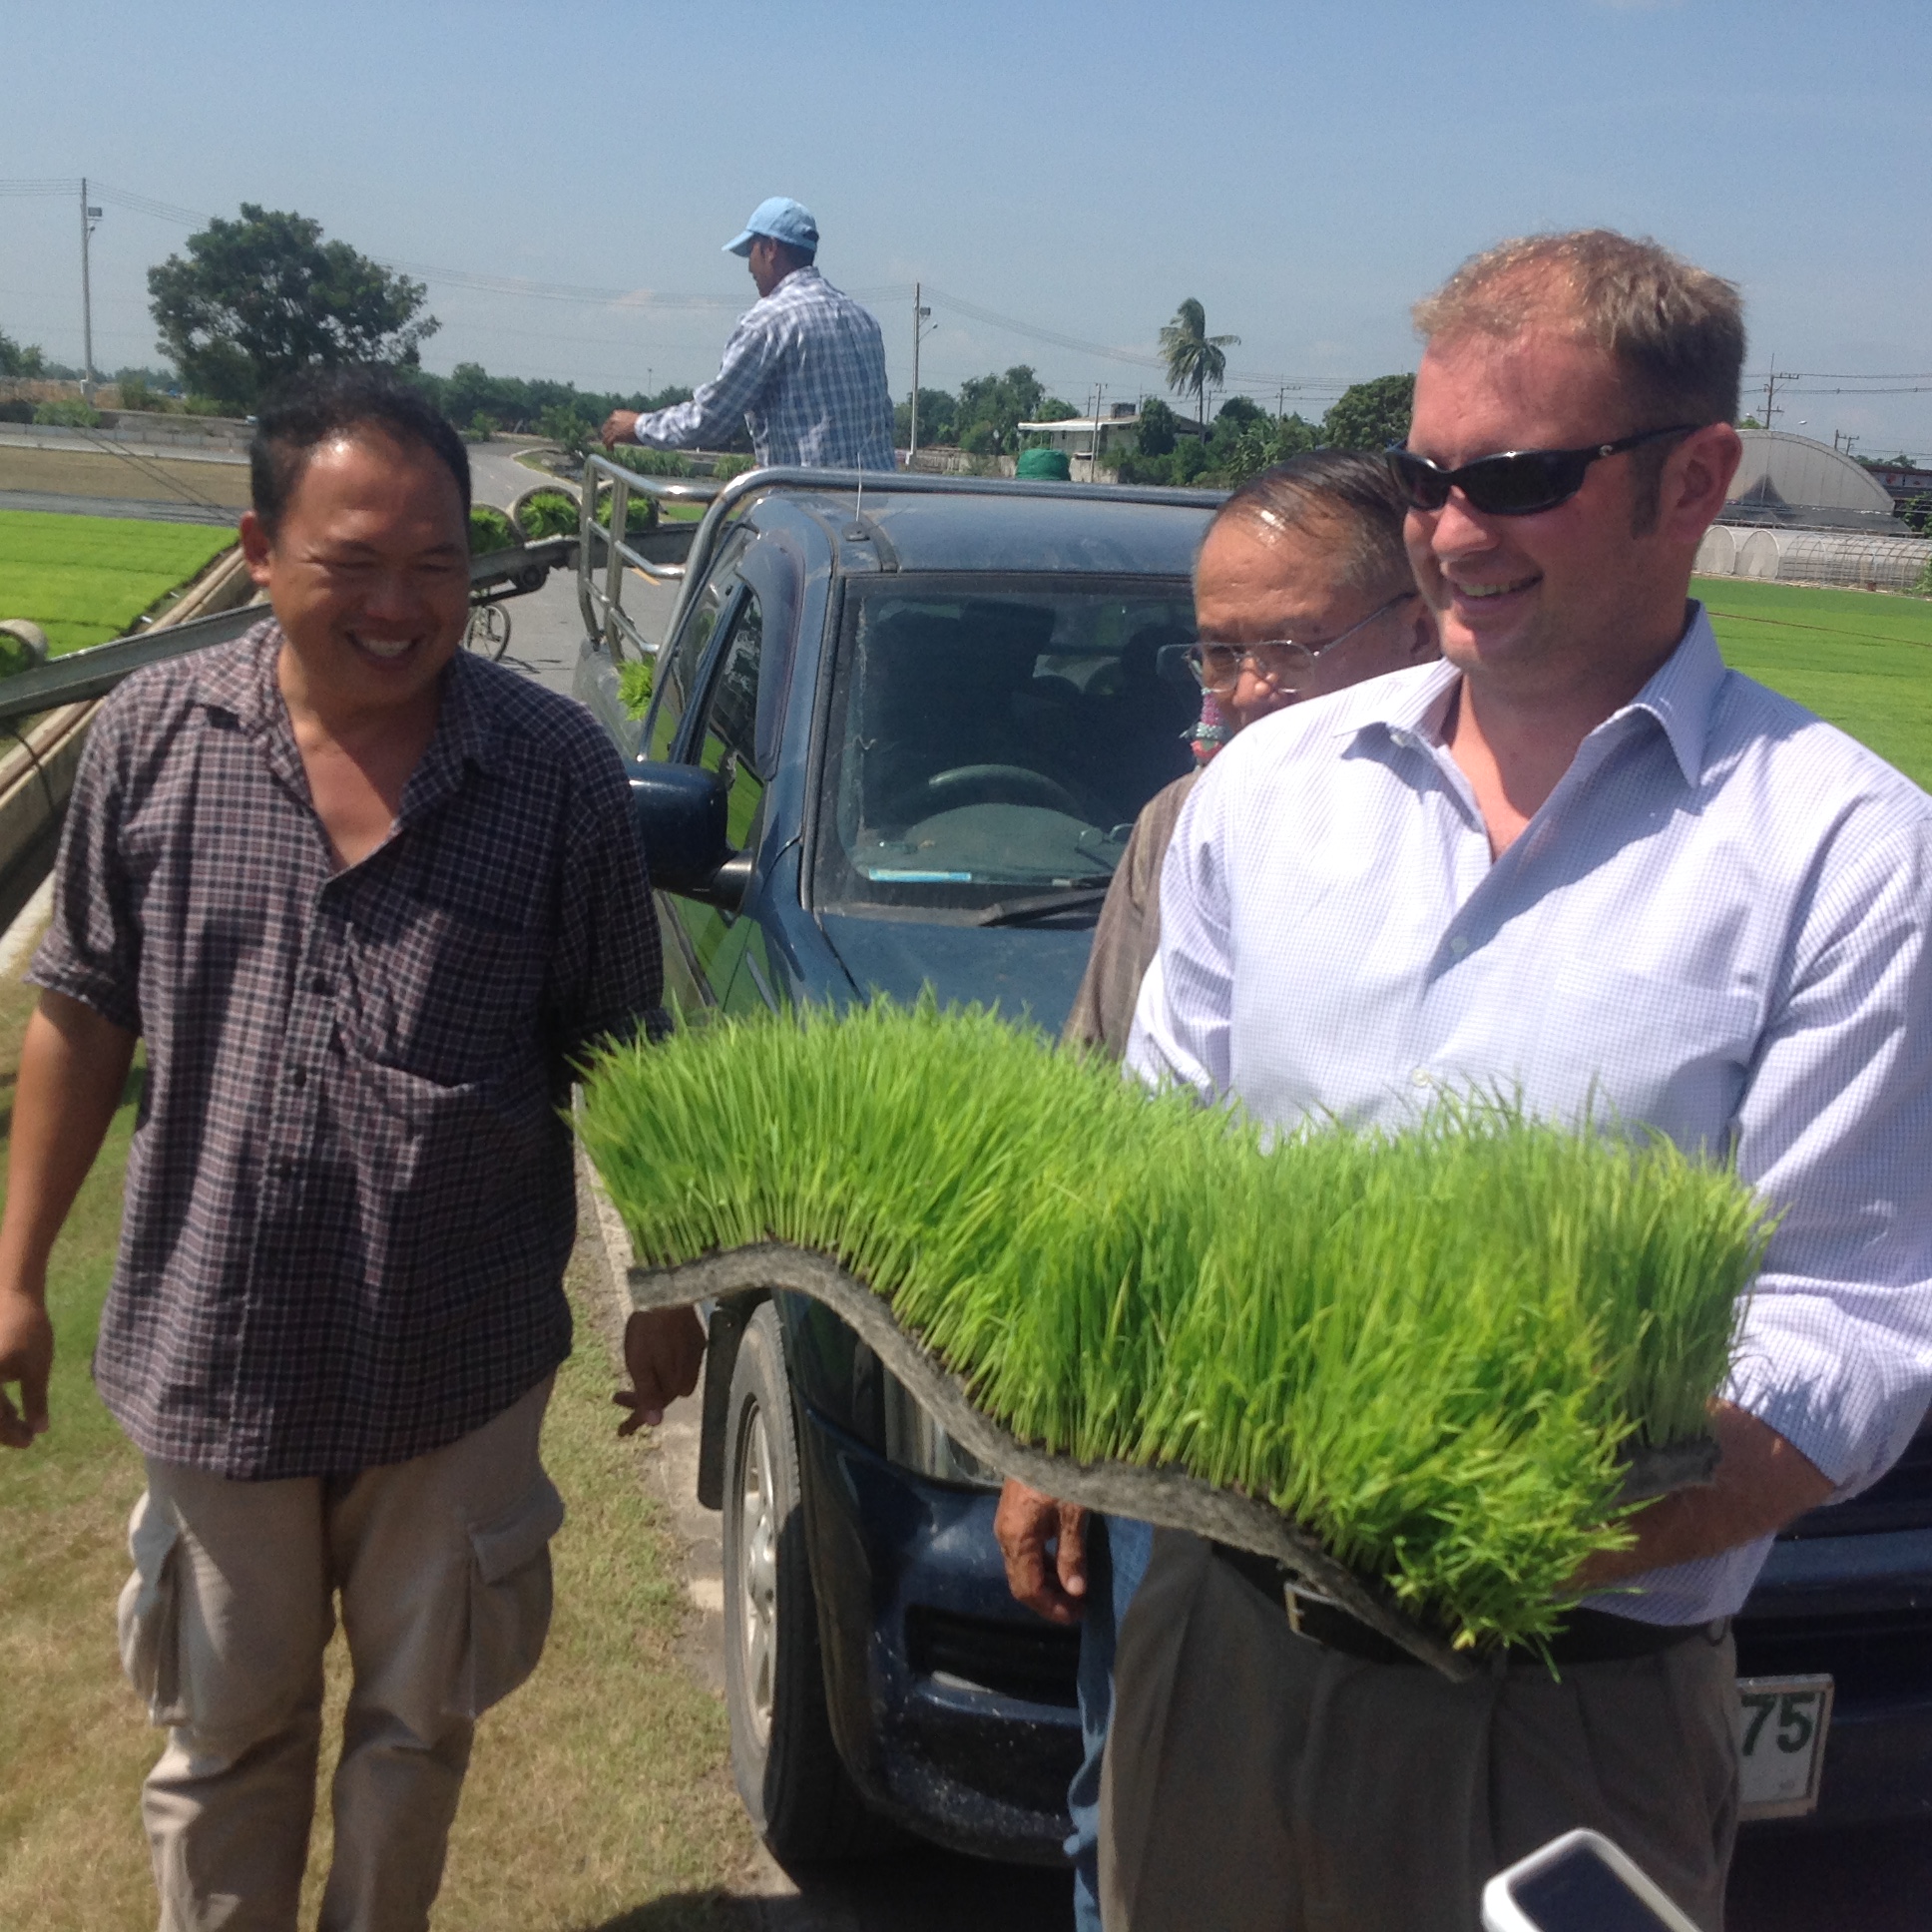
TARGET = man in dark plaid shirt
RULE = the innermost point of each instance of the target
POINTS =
(366, 899)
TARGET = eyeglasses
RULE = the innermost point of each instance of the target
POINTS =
(1517, 482)
(1217, 667)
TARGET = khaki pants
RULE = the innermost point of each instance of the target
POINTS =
(442, 1565)
(1257, 1782)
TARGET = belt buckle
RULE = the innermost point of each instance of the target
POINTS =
(1291, 1603)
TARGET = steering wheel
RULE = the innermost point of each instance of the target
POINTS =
(972, 785)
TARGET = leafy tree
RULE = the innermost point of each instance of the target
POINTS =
(1371, 415)
(572, 431)
(1195, 360)
(1157, 436)
(20, 359)
(1055, 409)
(937, 411)
(256, 299)
(991, 408)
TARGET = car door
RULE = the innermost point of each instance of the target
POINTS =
(733, 727)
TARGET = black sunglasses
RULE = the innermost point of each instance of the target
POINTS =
(1517, 482)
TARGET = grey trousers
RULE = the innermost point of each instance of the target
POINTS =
(442, 1565)
(1257, 1782)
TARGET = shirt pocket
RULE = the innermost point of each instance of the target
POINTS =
(1643, 1048)
(441, 994)
(509, 1598)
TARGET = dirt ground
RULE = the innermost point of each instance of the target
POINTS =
(141, 476)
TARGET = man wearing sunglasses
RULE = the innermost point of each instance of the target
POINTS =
(1581, 861)
(1303, 585)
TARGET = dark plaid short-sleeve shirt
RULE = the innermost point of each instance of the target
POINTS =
(350, 1198)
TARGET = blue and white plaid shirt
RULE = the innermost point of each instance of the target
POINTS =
(805, 369)
(1716, 925)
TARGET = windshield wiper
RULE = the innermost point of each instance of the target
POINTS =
(1040, 905)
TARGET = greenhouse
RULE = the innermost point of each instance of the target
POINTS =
(1873, 563)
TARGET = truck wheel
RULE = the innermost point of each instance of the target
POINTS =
(794, 1786)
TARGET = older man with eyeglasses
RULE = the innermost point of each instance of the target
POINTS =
(1303, 585)
(1581, 861)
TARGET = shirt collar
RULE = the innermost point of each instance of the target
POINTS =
(242, 684)
(1679, 696)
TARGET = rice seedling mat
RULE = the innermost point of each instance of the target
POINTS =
(1426, 1371)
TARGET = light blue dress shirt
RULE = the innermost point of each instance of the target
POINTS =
(1716, 926)
(804, 372)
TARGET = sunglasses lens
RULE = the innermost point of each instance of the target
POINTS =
(1521, 485)
(1425, 486)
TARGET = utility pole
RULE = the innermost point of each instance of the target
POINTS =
(1771, 381)
(919, 315)
(89, 215)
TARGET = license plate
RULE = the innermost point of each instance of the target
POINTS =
(1781, 1722)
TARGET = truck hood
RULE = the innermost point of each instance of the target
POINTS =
(1028, 970)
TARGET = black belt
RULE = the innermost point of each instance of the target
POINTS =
(1582, 1635)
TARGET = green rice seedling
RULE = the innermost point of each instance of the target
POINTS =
(1428, 1347)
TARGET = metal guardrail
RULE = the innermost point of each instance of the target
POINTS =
(96, 669)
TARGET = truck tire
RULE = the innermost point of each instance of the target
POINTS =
(793, 1784)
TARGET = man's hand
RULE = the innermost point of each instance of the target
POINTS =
(1761, 1484)
(662, 1352)
(620, 426)
(1025, 1523)
(26, 1356)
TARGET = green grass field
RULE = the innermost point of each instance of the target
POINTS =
(1860, 659)
(84, 579)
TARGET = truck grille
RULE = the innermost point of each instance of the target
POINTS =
(1037, 1662)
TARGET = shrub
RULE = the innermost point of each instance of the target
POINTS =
(69, 413)
(652, 462)
(733, 464)
(481, 427)
(1426, 1347)
(490, 529)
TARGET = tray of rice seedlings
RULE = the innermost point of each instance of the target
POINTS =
(1430, 1371)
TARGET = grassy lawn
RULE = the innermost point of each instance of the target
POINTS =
(84, 579)
(1861, 658)
(598, 1796)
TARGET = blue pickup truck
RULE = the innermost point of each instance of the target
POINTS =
(899, 728)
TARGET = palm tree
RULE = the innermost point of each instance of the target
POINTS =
(1194, 358)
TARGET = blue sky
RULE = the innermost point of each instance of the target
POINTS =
(1306, 171)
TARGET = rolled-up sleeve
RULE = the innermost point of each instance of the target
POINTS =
(92, 950)
(1836, 1130)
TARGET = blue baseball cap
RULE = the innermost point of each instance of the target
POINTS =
(781, 219)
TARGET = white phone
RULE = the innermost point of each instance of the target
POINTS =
(1579, 1882)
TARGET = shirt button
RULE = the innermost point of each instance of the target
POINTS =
(1458, 945)
(299, 1078)
(1420, 1078)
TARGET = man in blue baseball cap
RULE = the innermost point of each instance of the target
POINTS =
(805, 369)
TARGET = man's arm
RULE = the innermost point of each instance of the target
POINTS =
(717, 412)
(73, 1069)
(1761, 1484)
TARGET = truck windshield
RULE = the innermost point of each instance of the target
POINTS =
(993, 738)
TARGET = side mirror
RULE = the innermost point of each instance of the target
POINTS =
(680, 814)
